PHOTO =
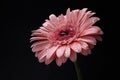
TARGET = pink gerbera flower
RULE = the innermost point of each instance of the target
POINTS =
(64, 36)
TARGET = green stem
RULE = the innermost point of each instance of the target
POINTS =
(77, 70)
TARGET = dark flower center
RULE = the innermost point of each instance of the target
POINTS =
(64, 33)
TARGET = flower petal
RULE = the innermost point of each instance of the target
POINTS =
(37, 38)
(73, 56)
(40, 31)
(39, 34)
(39, 47)
(36, 34)
(61, 19)
(88, 39)
(67, 51)
(76, 12)
(64, 59)
(85, 49)
(86, 52)
(60, 51)
(39, 43)
(53, 20)
(84, 45)
(68, 13)
(44, 28)
(92, 31)
(88, 23)
(91, 46)
(48, 61)
(43, 53)
(86, 16)
(44, 32)
(99, 38)
(51, 51)
(75, 46)
(42, 60)
(59, 61)
(36, 31)
(81, 14)
(74, 16)
(49, 26)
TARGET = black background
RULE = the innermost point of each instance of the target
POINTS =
(18, 62)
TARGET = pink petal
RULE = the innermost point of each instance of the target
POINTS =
(88, 23)
(86, 16)
(36, 31)
(67, 51)
(75, 46)
(59, 61)
(60, 51)
(84, 45)
(40, 31)
(81, 14)
(68, 14)
(91, 46)
(86, 52)
(36, 34)
(73, 56)
(51, 51)
(43, 53)
(64, 59)
(74, 16)
(40, 54)
(39, 43)
(89, 51)
(85, 49)
(39, 34)
(48, 61)
(49, 28)
(37, 38)
(43, 28)
(88, 39)
(39, 47)
(53, 20)
(61, 19)
(42, 60)
(99, 38)
(44, 32)
(48, 25)
(92, 31)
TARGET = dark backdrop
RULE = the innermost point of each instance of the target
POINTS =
(18, 62)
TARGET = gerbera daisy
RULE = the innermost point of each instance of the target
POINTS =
(64, 36)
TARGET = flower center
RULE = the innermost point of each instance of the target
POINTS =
(66, 33)
(63, 33)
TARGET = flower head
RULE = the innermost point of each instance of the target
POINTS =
(64, 36)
